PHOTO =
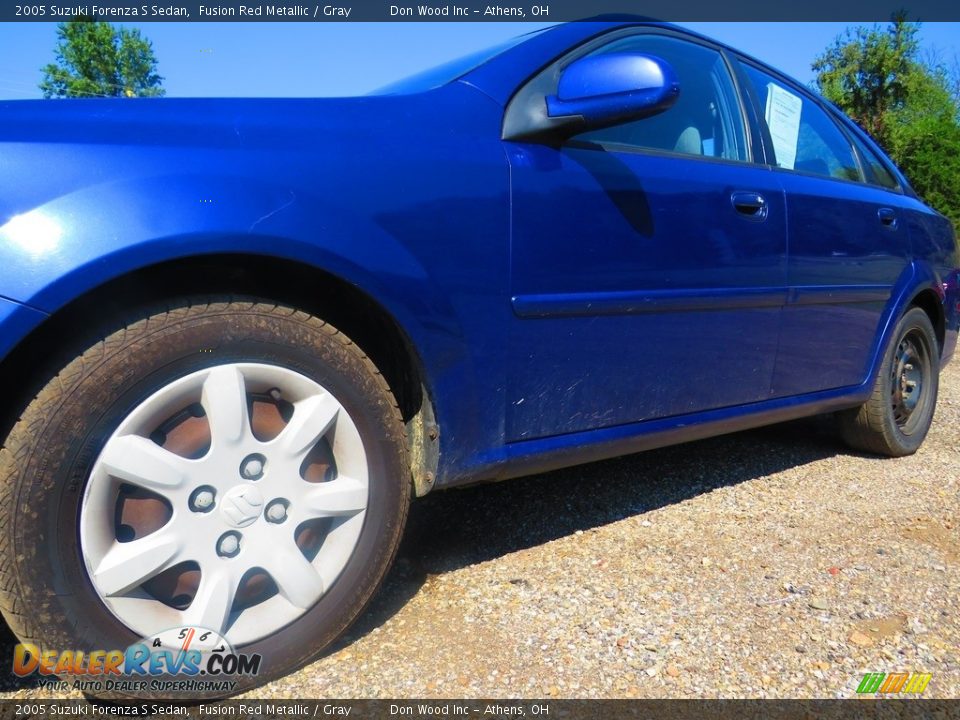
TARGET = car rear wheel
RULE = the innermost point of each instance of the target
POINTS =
(896, 418)
(226, 466)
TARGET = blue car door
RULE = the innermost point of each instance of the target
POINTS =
(648, 260)
(847, 236)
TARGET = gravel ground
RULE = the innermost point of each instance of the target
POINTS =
(771, 563)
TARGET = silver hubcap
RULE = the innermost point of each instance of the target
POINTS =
(230, 499)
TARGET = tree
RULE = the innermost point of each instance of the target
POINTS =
(910, 106)
(865, 72)
(94, 59)
(954, 73)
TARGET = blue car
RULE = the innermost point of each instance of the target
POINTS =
(238, 336)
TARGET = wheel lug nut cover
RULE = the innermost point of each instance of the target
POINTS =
(203, 500)
(277, 512)
(229, 545)
(252, 467)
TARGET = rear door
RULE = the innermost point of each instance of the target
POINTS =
(648, 260)
(847, 240)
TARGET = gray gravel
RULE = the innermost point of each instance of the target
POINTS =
(772, 563)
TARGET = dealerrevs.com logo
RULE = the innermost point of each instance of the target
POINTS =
(183, 659)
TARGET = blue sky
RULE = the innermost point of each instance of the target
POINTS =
(307, 59)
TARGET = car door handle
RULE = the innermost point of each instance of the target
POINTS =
(888, 218)
(750, 204)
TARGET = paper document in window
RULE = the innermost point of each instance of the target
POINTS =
(783, 119)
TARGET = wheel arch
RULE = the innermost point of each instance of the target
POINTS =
(351, 309)
(932, 304)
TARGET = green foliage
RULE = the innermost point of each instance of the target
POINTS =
(928, 150)
(910, 107)
(94, 59)
(866, 71)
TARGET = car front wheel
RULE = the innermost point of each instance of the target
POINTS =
(227, 466)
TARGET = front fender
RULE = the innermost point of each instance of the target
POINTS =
(72, 244)
(405, 198)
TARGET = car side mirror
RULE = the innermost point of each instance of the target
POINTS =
(588, 94)
(603, 90)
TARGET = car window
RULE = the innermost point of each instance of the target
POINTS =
(805, 138)
(706, 118)
(877, 172)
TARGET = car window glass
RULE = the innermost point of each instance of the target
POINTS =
(878, 172)
(804, 137)
(706, 118)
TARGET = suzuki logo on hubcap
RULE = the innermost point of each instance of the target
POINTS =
(242, 505)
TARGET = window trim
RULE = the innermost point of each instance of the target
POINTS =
(651, 151)
(574, 54)
(758, 127)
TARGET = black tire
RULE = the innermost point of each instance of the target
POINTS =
(46, 594)
(896, 418)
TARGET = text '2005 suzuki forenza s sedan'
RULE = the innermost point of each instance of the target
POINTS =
(239, 335)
